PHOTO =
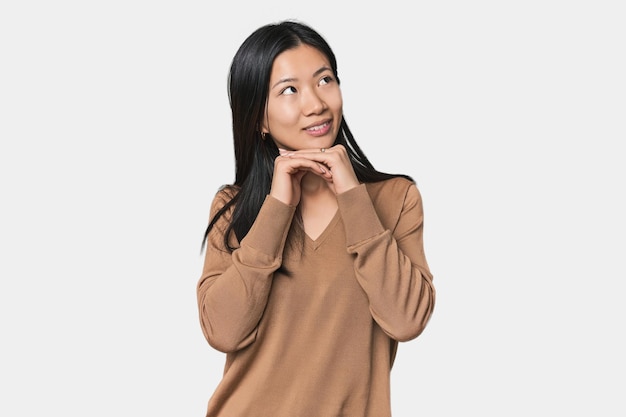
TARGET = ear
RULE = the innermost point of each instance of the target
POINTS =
(264, 128)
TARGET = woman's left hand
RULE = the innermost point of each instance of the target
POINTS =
(335, 160)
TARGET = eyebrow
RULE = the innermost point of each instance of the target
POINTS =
(288, 80)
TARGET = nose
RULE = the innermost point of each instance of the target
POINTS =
(312, 103)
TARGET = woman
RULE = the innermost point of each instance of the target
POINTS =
(315, 267)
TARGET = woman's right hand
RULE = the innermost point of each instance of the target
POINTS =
(288, 173)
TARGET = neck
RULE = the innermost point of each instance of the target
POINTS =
(318, 201)
(311, 184)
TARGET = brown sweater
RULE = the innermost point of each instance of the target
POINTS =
(318, 337)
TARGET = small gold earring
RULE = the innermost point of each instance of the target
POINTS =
(263, 135)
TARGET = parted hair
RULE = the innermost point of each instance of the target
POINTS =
(248, 88)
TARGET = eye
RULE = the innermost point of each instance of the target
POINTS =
(288, 91)
(326, 80)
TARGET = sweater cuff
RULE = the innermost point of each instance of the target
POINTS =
(269, 231)
(359, 216)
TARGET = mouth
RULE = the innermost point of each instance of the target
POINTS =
(319, 128)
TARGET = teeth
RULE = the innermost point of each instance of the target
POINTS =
(320, 127)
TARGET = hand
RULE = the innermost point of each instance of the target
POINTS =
(332, 164)
(338, 162)
(288, 172)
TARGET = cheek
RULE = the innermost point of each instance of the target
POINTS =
(282, 114)
(337, 109)
(335, 101)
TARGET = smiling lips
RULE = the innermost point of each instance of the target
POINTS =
(319, 130)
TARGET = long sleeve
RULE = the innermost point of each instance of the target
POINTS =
(389, 261)
(233, 289)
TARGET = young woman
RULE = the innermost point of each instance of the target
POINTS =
(315, 266)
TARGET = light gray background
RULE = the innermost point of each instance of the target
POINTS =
(115, 133)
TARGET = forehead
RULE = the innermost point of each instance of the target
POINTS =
(297, 62)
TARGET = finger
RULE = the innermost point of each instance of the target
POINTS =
(325, 171)
(289, 164)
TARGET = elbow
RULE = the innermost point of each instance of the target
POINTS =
(409, 331)
(414, 313)
(409, 326)
(222, 345)
(225, 340)
(403, 330)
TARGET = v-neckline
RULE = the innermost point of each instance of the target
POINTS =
(315, 243)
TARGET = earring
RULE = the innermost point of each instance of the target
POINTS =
(263, 135)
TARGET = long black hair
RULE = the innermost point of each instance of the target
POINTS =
(248, 87)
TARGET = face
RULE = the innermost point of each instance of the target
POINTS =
(304, 105)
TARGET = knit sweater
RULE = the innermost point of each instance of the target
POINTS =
(310, 328)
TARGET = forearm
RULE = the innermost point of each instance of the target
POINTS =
(231, 302)
(389, 262)
(401, 294)
(234, 288)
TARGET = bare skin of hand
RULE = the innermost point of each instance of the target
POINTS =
(333, 166)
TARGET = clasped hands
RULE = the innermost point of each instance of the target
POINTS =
(330, 164)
